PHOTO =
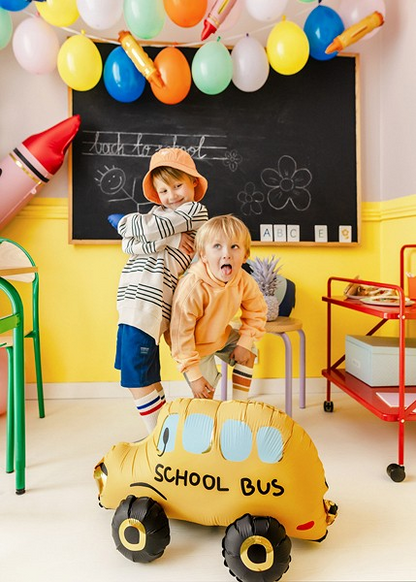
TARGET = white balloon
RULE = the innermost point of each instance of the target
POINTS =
(100, 14)
(36, 46)
(352, 11)
(266, 10)
(250, 64)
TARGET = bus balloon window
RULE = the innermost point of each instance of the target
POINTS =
(236, 440)
(269, 444)
(167, 437)
(197, 433)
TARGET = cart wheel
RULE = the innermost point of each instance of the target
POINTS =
(140, 529)
(256, 549)
(396, 472)
(328, 406)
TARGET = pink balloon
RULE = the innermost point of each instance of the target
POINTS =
(352, 11)
(36, 46)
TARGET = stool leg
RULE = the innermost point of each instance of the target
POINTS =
(288, 373)
(302, 369)
(224, 381)
(10, 414)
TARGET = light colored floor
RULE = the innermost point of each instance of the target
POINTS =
(57, 531)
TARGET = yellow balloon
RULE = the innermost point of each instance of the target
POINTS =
(287, 48)
(79, 63)
(58, 12)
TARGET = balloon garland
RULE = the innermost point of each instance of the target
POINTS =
(36, 47)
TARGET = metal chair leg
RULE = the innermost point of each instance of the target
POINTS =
(10, 414)
(39, 380)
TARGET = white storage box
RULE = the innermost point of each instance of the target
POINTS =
(375, 360)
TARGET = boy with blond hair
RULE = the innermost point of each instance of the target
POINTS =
(206, 299)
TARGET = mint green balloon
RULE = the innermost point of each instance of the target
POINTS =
(145, 18)
(212, 68)
(6, 28)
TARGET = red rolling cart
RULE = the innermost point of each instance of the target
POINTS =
(360, 391)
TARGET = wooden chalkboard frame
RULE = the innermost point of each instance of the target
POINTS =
(334, 166)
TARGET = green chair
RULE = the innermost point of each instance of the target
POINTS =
(13, 257)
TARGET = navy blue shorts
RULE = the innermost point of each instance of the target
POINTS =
(137, 356)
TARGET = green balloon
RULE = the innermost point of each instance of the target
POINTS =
(6, 28)
(212, 68)
(145, 18)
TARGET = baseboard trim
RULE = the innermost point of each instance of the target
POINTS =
(173, 389)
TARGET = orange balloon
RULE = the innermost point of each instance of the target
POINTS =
(186, 13)
(176, 76)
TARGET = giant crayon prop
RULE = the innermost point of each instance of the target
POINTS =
(355, 32)
(32, 164)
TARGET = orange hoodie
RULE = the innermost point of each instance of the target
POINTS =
(202, 309)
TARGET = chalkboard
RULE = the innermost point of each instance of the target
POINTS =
(283, 158)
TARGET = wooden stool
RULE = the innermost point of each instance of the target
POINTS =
(281, 327)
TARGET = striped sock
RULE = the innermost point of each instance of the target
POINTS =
(149, 407)
(242, 376)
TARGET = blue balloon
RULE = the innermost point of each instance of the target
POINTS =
(14, 5)
(321, 27)
(122, 79)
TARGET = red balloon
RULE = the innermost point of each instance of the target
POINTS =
(186, 13)
(176, 76)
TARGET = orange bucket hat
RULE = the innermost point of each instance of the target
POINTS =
(173, 158)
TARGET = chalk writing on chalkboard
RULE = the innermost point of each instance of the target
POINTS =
(283, 159)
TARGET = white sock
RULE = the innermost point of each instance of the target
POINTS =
(149, 407)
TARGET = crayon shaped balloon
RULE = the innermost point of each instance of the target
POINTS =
(140, 58)
(216, 17)
(32, 164)
(355, 32)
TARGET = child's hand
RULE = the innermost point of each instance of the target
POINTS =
(202, 389)
(243, 356)
(187, 244)
(114, 219)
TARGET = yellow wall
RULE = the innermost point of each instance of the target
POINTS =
(79, 283)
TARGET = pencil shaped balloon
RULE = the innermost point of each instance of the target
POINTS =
(355, 32)
(216, 17)
(140, 58)
(31, 164)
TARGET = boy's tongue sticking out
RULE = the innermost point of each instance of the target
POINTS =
(226, 269)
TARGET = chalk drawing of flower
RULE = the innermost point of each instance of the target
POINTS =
(287, 184)
(251, 199)
(232, 160)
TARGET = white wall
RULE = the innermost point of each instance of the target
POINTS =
(30, 104)
(398, 101)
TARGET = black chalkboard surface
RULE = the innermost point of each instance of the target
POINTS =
(283, 158)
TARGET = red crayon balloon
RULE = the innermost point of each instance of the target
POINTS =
(216, 17)
(32, 164)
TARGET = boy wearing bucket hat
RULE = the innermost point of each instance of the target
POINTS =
(160, 245)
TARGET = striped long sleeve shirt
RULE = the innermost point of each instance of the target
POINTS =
(150, 276)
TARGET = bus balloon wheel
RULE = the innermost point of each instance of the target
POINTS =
(256, 549)
(140, 529)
